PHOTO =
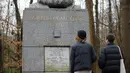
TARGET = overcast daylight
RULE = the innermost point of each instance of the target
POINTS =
(64, 36)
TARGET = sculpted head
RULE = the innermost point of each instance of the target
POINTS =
(57, 3)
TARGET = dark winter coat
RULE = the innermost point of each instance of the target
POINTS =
(109, 60)
(82, 57)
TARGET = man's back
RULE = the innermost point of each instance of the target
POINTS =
(84, 56)
(109, 60)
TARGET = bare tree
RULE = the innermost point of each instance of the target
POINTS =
(18, 19)
(97, 35)
(102, 24)
(89, 6)
(31, 1)
(1, 45)
(118, 24)
(19, 27)
(1, 54)
(125, 22)
(97, 20)
(110, 18)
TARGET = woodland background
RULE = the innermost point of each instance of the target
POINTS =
(105, 16)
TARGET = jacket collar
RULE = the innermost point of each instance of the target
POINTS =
(81, 42)
(110, 44)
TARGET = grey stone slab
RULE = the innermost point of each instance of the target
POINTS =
(57, 59)
(48, 39)
(42, 72)
(49, 27)
(55, 15)
(33, 58)
(56, 72)
(41, 27)
(33, 72)
(46, 25)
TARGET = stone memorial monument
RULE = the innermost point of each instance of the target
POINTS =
(49, 30)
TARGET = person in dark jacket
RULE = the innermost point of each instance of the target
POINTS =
(109, 59)
(82, 55)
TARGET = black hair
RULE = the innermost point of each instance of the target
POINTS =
(110, 38)
(82, 34)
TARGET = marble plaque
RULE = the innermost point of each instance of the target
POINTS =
(56, 59)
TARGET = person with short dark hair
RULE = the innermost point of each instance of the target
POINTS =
(82, 55)
(110, 38)
(109, 59)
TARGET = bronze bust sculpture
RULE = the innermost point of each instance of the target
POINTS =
(59, 4)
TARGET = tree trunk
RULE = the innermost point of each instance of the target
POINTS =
(89, 6)
(18, 20)
(118, 28)
(19, 27)
(31, 1)
(97, 20)
(97, 37)
(102, 25)
(97, 25)
(110, 18)
(1, 54)
(8, 18)
(125, 22)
